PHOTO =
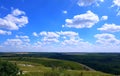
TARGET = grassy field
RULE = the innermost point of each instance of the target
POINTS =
(52, 67)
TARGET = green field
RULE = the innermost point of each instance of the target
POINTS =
(30, 66)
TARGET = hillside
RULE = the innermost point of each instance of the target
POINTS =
(30, 66)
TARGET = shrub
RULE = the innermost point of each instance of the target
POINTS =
(8, 69)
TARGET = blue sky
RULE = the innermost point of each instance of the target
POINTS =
(60, 26)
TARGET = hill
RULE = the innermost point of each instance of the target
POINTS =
(31, 66)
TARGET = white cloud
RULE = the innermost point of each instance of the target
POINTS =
(18, 41)
(69, 38)
(62, 37)
(17, 44)
(37, 44)
(101, 0)
(89, 2)
(35, 34)
(104, 17)
(49, 40)
(118, 14)
(60, 41)
(56, 34)
(17, 12)
(8, 25)
(13, 42)
(2, 32)
(110, 28)
(106, 39)
(86, 20)
(49, 37)
(49, 34)
(116, 3)
(14, 21)
(68, 33)
(65, 12)
(69, 41)
(23, 38)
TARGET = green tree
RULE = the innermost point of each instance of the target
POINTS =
(8, 69)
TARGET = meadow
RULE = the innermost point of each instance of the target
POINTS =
(31, 66)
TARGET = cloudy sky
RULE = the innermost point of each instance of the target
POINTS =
(60, 26)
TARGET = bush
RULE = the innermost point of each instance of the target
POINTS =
(8, 69)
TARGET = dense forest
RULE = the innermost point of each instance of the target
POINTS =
(109, 63)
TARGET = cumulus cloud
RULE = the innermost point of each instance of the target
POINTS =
(62, 37)
(49, 34)
(17, 12)
(23, 38)
(86, 20)
(13, 42)
(49, 37)
(14, 20)
(89, 2)
(68, 33)
(116, 3)
(18, 41)
(104, 17)
(110, 28)
(2, 32)
(69, 38)
(17, 44)
(106, 39)
(69, 41)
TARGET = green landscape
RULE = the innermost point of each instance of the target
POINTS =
(59, 37)
(60, 64)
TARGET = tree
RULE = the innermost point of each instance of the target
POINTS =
(8, 69)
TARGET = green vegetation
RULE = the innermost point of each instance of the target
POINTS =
(45, 64)
(109, 63)
(30, 66)
(51, 62)
(8, 69)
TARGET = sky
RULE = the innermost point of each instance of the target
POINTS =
(60, 26)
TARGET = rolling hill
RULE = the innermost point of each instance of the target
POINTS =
(31, 66)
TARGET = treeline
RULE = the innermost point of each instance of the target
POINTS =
(109, 63)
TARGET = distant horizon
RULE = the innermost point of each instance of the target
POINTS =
(61, 52)
(60, 26)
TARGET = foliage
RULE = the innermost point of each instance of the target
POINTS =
(8, 69)
(105, 62)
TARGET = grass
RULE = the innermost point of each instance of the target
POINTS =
(52, 63)
(52, 67)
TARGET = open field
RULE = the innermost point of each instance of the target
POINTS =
(87, 64)
(30, 66)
